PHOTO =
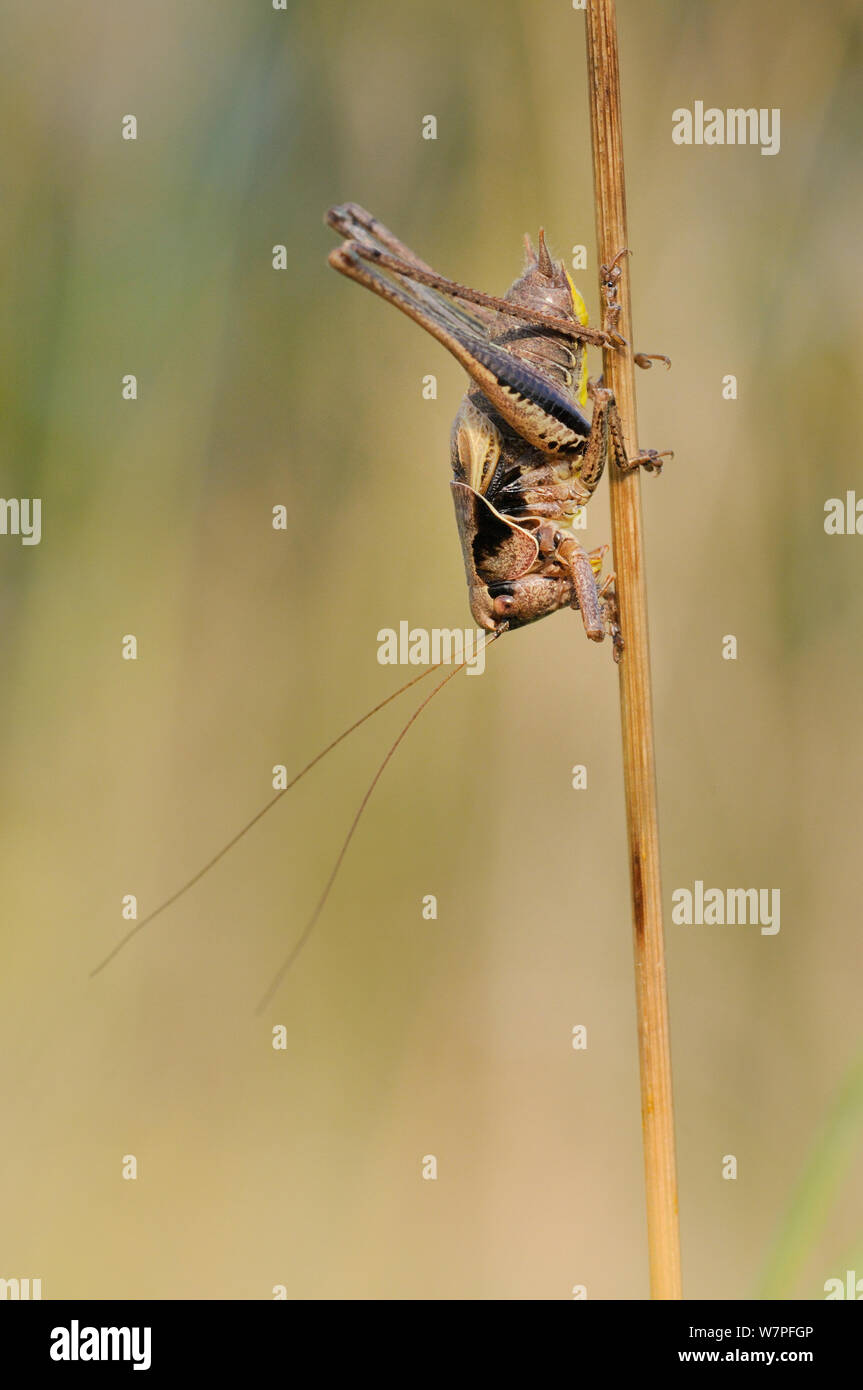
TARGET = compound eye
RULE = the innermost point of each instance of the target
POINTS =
(502, 605)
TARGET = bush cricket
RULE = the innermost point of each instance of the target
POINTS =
(524, 459)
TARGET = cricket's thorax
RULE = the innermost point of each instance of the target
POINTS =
(557, 357)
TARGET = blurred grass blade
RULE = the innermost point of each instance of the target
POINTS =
(818, 1187)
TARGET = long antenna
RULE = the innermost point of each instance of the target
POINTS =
(211, 863)
(310, 925)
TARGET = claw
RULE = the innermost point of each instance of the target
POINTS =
(606, 271)
(608, 582)
(651, 460)
(646, 359)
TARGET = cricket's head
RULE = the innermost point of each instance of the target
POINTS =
(532, 596)
(543, 281)
(517, 602)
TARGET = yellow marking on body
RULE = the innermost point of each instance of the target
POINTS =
(578, 303)
(580, 309)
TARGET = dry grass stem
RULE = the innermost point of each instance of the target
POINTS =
(635, 691)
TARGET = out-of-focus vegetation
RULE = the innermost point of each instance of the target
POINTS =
(407, 1037)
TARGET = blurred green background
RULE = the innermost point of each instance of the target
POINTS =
(405, 1037)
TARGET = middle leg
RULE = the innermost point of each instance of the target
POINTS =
(606, 423)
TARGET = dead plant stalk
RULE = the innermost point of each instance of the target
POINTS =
(635, 691)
